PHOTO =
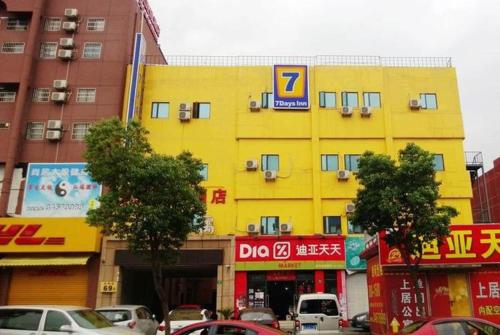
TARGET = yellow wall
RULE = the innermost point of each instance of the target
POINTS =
(302, 193)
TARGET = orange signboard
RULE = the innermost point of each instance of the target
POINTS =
(48, 235)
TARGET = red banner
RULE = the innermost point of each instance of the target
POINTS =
(466, 244)
(485, 292)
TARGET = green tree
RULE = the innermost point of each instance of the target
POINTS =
(400, 200)
(151, 200)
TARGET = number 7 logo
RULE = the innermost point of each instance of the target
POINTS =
(292, 79)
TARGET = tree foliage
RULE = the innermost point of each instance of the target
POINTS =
(151, 200)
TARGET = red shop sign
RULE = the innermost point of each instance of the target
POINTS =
(485, 291)
(280, 276)
(466, 244)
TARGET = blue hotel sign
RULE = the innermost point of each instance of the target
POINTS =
(291, 87)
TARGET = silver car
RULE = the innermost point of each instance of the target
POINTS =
(55, 320)
(136, 317)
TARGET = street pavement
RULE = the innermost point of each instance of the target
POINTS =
(287, 326)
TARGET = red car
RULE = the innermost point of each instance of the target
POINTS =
(452, 326)
(228, 327)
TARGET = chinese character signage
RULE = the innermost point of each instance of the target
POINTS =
(466, 244)
(353, 247)
(485, 291)
(59, 190)
(291, 87)
(290, 253)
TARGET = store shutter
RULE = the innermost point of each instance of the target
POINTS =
(357, 294)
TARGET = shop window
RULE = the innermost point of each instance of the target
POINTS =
(34, 130)
(267, 100)
(52, 24)
(48, 50)
(350, 99)
(270, 162)
(354, 229)
(305, 283)
(351, 162)
(160, 110)
(95, 24)
(256, 289)
(329, 162)
(204, 172)
(331, 282)
(428, 100)
(371, 99)
(438, 161)
(327, 100)
(41, 95)
(201, 110)
(269, 225)
(331, 225)
(92, 50)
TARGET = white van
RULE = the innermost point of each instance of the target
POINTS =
(317, 313)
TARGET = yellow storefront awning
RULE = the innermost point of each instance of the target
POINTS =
(43, 260)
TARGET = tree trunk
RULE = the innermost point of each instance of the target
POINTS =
(161, 292)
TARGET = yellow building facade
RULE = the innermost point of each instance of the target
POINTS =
(224, 115)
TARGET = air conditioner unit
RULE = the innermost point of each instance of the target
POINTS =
(69, 26)
(58, 96)
(252, 228)
(184, 106)
(60, 84)
(252, 164)
(342, 174)
(65, 54)
(53, 135)
(349, 208)
(54, 124)
(71, 13)
(184, 115)
(66, 42)
(270, 175)
(415, 104)
(254, 106)
(366, 111)
(346, 111)
(285, 227)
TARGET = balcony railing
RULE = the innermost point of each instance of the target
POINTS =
(474, 159)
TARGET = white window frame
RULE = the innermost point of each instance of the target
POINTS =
(7, 96)
(79, 134)
(14, 25)
(94, 54)
(30, 129)
(83, 96)
(52, 24)
(46, 52)
(13, 47)
(41, 94)
(96, 24)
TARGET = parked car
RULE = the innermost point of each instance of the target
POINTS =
(228, 327)
(182, 316)
(136, 317)
(40, 320)
(454, 326)
(317, 313)
(263, 316)
(361, 321)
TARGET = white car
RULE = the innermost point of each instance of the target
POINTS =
(183, 316)
(317, 314)
(55, 320)
(136, 317)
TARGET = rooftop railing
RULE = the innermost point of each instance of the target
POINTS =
(327, 60)
(474, 159)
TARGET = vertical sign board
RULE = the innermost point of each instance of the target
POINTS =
(291, 87)
(134, 77)
(354, 245)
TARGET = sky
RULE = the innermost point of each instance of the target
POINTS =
(468, 31)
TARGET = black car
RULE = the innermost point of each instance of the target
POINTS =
(361, 321)
(264, 316)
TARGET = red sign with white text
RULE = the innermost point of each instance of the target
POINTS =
(466, 244)
(485, 292)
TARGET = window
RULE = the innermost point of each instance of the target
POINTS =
(331, 225)
(201, 110)
(438, 162)
(329, 162)
(20, 319)
(13, 47)
(204, 172)
(54, 320)
(52, 24)
(319, 306)
(7, 96)
(371, 99)
(79, 131)
(95, 24)
(269, 225)
(270, 162)
(350, 99)
(92, 50)
(351, 162)
(267, 100)
(17, 24)
(41, 95)
(428, 100)
(327, 100)
(34, 130)
(353, 229)
(480, 328)
(233, 330)
(454, 328)
(85, 95)
(48, 50)
(159, 110)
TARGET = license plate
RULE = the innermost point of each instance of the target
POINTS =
(309, 326)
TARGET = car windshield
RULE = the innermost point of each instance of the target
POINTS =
(89, 319)
(319, 306)
(413, 327)
(256, 315)
(116, 315)
(186, 314)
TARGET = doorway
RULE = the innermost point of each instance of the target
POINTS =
(459, 294)
(280, 295)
